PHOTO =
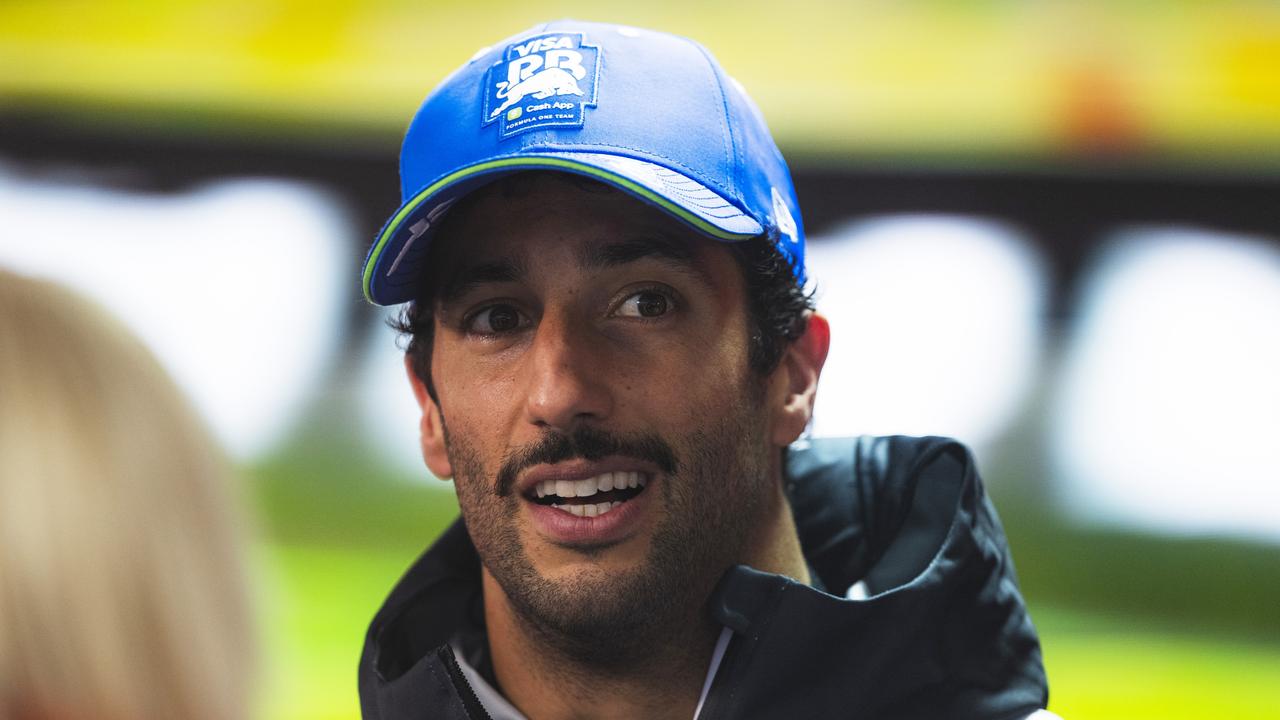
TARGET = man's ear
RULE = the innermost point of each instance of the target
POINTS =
(798, 376)
(430, 428)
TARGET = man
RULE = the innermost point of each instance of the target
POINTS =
(614, 354)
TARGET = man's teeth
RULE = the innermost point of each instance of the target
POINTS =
(590, 486)
(588, 510)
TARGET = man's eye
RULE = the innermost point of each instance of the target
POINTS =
(495, 319)
(645, 304)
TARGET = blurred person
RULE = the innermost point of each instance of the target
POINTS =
(122, 588)
(603, 260)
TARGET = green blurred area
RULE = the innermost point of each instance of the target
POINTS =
(1132, 626)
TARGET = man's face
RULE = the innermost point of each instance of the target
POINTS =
(609, 444)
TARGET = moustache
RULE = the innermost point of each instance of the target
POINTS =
(587, 444)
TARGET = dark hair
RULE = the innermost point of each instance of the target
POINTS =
(777, 306)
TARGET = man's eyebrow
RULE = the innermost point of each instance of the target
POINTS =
(497, 271)
(612, 253)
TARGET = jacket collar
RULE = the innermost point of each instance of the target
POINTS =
(944, 631)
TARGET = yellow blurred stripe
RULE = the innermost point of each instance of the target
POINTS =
(986, 77)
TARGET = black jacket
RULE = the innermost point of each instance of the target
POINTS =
(944, 633)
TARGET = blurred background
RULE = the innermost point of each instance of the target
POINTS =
(1079, 201)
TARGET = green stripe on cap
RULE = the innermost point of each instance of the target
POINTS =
(536, 162)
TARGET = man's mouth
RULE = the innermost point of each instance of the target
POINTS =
(589, 497)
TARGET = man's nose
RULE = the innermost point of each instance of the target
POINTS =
(568, 381)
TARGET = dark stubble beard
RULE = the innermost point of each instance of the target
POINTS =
(715, 492)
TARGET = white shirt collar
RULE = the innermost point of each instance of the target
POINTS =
(499, 708)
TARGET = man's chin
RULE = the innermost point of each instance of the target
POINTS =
(590, 609)
(583, 561)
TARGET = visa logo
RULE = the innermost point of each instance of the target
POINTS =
(543, 44)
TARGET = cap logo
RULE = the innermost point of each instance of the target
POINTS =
(782, 214)
(545, 81)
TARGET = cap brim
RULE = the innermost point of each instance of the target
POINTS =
(392, 268)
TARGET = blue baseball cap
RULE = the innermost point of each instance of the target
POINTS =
(649, 113)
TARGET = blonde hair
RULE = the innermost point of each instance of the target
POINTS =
(122, 586)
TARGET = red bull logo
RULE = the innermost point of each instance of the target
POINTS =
(541, 82)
